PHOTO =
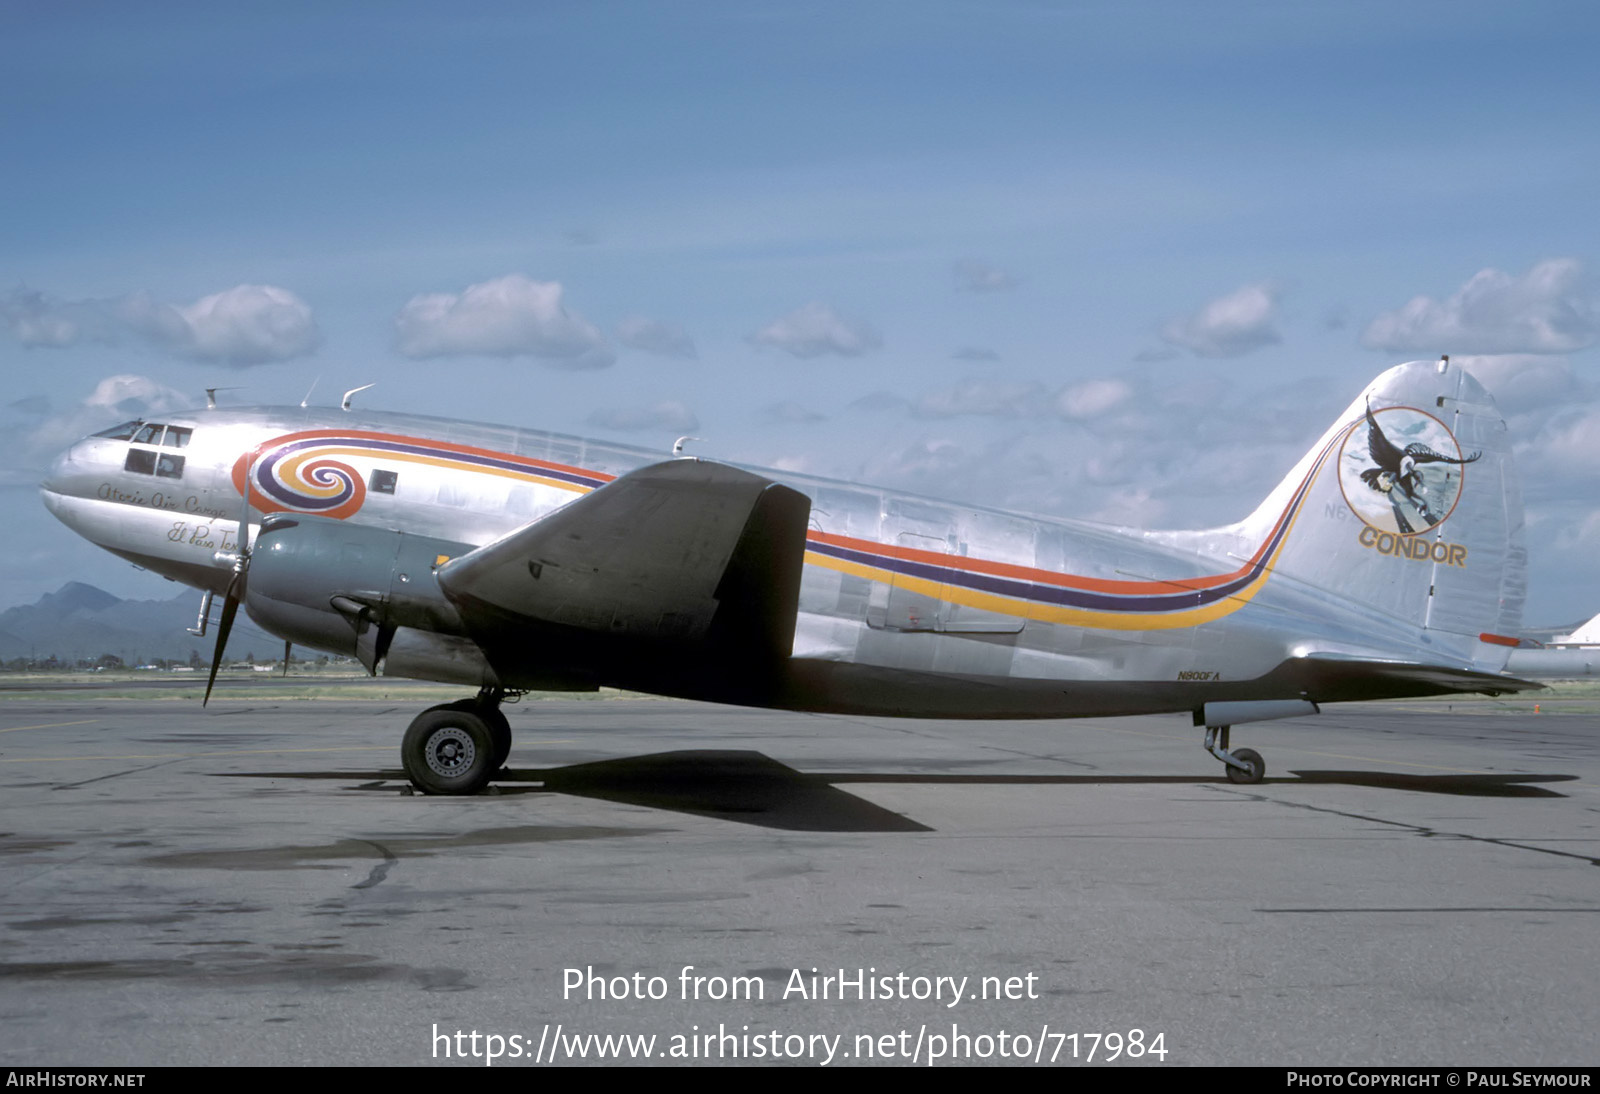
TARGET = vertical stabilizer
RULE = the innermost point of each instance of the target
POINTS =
(1410, 506)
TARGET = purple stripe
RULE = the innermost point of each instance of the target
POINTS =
(271, 486)
(1079, 598)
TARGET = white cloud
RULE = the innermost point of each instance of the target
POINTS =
(817, 329)
(791, 411)
(1570, 449)
(668, 414)
(926, 465)
(1521, 382)
(1550, 309)
(974, 275)
(986, 398)
(1229, 326)
(114, 399)
(654, 336)
(1581, 534)
(1135, 508)
(511, 316)
(244, 325)
(135, 396)
(1092, 398)
(38, 320)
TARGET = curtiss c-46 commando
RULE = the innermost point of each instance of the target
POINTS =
(1387, 563)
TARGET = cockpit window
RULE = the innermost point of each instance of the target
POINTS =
(141, 432)
(145, 461)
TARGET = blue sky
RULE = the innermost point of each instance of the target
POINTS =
(1121, 261)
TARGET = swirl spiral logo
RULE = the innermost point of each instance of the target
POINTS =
(294, 477)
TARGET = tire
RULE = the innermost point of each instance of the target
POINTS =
(495, 719)
(449, 751)
(500, 731)
(1250, 756)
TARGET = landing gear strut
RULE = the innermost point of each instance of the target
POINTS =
(456, 748)
(1244, 766)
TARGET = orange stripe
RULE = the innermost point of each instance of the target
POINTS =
(428, 442)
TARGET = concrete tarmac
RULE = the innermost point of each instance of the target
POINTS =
(253, 883)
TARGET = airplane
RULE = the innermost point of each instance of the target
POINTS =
(510, 560)
(1588, 634)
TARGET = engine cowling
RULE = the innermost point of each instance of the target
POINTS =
(363, 592)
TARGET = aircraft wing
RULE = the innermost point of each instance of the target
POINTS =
(684, 557)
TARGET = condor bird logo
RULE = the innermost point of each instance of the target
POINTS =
(1406, 489)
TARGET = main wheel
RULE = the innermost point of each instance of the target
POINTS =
(449, 751)
(1257, 769)
(495, 719)
(500, 731)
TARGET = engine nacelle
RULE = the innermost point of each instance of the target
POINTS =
(362, 592)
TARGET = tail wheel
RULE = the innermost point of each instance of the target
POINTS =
(449, 751)
(1255, 766)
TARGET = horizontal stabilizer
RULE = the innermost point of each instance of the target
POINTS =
(1331, 676)
(685, 552)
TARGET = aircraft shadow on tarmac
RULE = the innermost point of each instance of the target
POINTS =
(753, 788)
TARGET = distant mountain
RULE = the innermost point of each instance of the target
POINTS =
(75, 596)
(79, 621)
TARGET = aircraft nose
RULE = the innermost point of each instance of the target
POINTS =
(61, 470)
(69, 476)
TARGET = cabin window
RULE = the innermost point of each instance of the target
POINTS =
(141, 460)
(169, 466)
(149, 433)
(177, 436)
(382, 482)
(123, 432)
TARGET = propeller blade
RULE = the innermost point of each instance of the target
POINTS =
(230, 603)
(230, 608)
(286, 647)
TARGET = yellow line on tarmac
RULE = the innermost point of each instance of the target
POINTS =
(48, 725)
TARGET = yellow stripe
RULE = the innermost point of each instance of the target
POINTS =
(1045, 613)
(49, 725)
(1052, 613)
(1079, 617)
(434, 461)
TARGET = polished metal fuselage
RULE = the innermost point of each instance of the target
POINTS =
(908, 604)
